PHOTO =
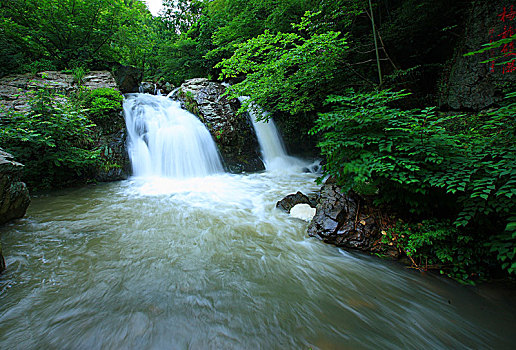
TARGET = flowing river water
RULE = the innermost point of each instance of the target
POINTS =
(208, 262)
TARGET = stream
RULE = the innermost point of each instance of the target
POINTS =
(200, 259)
(210, 263)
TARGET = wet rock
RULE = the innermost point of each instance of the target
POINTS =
(345, 220)
(469, 83)
(146, 87)
(127, 78)
(14, 195)
(233, 134)
(291, 200)
(115, 165)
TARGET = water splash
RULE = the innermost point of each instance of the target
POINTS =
(165, 140)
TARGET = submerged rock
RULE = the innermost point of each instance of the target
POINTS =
(232, 133)
(345, 219)
(14, 195)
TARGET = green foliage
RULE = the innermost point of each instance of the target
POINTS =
(501, 59)
(102, 103)
(78, 74)
(53, 140)
(504, 245)
(427, 163)
(419, 153)
(66, 33)
(439, 246)
(285, 71)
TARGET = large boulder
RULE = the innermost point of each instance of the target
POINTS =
(233, 134)
(470, 83)
(293, 199)
(345, 220)
(14, 196)
(127, 78)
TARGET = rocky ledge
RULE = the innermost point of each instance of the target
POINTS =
(233, 134)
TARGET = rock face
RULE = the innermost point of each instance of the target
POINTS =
(148, 87)
(110, 137)
(345, 220)
(291, 200)
(14, 196)
(471, 84)
(233, 134)
(127, 78)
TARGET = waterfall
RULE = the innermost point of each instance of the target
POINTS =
(272, 148)
(165, 140)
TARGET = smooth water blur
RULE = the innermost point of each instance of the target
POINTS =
(209, 263)
(165, 140)
(273, 150)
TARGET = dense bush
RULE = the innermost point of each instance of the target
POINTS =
(53, 140)
(425, 163)
(433, 244)
(286, 72)
(101, 104)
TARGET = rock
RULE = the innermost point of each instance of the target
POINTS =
(291, 200)
(469, 83)
(127, 78)
(116, 164)
(167, 88)
(14, 195)
(146, 87)
(233, 134)
(12, 87)
(345, 220)
(303, 211)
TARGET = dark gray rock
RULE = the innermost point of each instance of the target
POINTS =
(146, 87)
(233, 134)
(345, 220)
(14, 195)
(127, 78)
(470, 84)
(109, 134)
(292, 200)
(115, 165)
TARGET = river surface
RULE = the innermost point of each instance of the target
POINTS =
(209, 263)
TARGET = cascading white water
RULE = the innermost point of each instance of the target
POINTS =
(165, 140)
(272, 148)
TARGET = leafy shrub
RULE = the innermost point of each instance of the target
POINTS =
(431, 244)
(286, 72)
(53, 140)
(426, 163)
(102, 104)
